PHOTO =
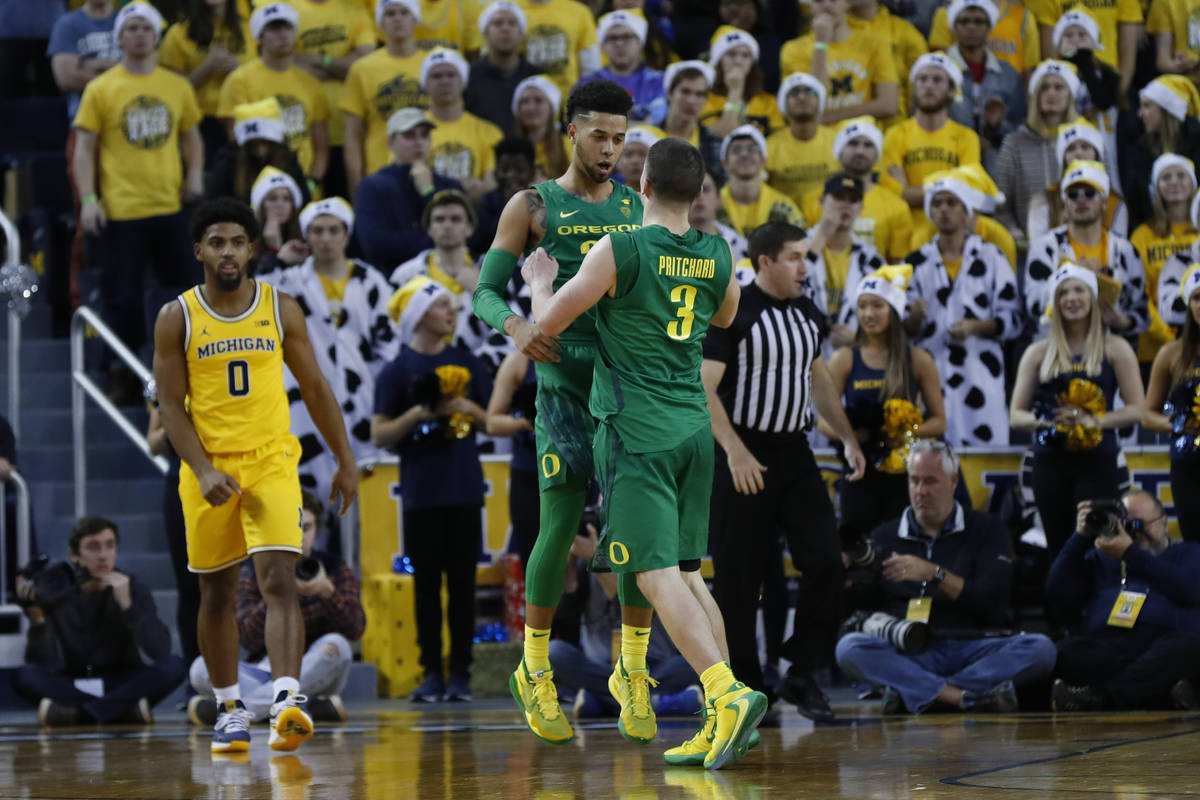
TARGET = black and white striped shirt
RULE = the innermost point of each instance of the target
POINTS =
(768, 354)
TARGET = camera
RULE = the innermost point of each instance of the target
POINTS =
(906, 635)
(307, 568)
(1104, 519)
(591, 516)
(53, 584)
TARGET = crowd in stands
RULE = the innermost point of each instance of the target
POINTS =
(1003, 217)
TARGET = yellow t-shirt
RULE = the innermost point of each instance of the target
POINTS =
(333, 28)
(853, 66)
(1099, 252)
(449, 23)
(556, 32)
(463, 149)
(952, 268)
(1180, 18)
(541, 161)
(301, 101)
(886, 221)
(1154, 252)
(1107, 13)
(987, 228)
(762, 111)
(376, 86)
(921, 153)
(772, 206)
(137, 120)
(335, 293)
(799, 169)
(907, 46)
(179, 53)
(1013, 40)
(837, 267)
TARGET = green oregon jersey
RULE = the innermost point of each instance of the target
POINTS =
(647, 382)
(574, 225)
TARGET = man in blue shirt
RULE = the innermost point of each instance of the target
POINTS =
(622, 37)
(1135, 598)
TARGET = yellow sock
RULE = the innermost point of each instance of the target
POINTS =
(634, 642)
(716, 679)
(537, 649)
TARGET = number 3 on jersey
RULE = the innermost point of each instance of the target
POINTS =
(681, 328)
(239, 378)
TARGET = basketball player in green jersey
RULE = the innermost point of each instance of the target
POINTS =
(656, 290)
(567, 216)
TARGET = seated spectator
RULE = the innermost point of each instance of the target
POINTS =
(984, 200)
(1118, 28)
(428, 405)
(622, 36)
(836, 260)
(81, 658)
(737, 95)
(82, 46)
(461, 143)
(333, 618)
(858, 69)
(1075, 40)
(583, 667)
(686, 86)
(8, 465)
(276, 200)
(1065, 390)
(1171, 231)
(496, 73)
(535, 105)
(377, 86)
(390, 202)
(1167, 113)
(1133, 595)
(951, 569)
(345, 309)
(514, 172)
(761, 23)
(964, 303)
(1013, 37)
(746, 200)
(1079, 141)
(1084, 241)
(1170, 397)
(561, 40)
(908, 44)
(275, 73)
(638, 141)
(993, 95)
(704, 216)
(800, 155)
(885, 218)
(211, 41)
(1025, 165)
(259, 142)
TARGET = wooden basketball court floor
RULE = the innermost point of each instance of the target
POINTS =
(389, 751)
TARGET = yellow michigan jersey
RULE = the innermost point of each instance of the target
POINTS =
(240, 412)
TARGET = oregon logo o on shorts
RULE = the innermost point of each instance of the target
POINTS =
(147, 122)
(550, 465)
(617, 553)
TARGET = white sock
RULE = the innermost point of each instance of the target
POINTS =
(227, 693)
(289, 685)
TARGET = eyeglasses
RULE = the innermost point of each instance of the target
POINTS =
(979, 22)
(1086, 192)
(1136, 526)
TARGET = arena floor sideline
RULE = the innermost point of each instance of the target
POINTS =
(389, 751)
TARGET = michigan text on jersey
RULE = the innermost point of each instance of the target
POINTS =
(239, 344)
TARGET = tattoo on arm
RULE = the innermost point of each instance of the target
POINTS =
(536, 206)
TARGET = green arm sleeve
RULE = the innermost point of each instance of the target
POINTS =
(488, 300)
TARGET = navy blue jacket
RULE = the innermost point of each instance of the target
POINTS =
(1084, 582)
(387, 216)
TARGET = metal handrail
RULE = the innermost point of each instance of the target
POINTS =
(81, 384)
(23, 554)
(13, 242)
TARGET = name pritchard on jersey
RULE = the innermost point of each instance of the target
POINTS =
(236, 345)
(685, 267)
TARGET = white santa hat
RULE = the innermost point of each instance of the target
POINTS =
(744, 132)
(1063, 69)
(143, 10)
(413, 6)
(268, 181)
(1068, 271)
(272, 12)
(411, 301)
(543, 85)
(629, 19)
(444, 55)
(859, 126)
(331, 206)
(674, 69)
(797, 79)
(1090, 172)
(1082, 19)
(1080, 129)
(889, 284)
(495, 8)
(1171, 160)
(986, 6)
(941, 62)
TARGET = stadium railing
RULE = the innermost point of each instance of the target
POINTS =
(12, 640)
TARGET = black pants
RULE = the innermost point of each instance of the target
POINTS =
(1134, 667)
(187, 583)
(523, 509)
(444, 540)
(872, 500)
(1061, 480)
(744, 537)
(122, 690)
(1185, 488)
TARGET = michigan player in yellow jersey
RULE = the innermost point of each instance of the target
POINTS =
(219, 352)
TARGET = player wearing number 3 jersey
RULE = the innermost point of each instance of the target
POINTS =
(219, 353)
(655, 292)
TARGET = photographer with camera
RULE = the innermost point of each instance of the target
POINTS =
(333, 617)
(946, 580)
(87, 623)
(1134, 595)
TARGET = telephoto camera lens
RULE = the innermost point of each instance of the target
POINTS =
(906, 635)
(307, 568)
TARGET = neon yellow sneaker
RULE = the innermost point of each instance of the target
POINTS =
(538, 698)
(631, 690)
(738, 712)
(692, 752)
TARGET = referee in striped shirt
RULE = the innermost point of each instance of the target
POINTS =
(763, 374)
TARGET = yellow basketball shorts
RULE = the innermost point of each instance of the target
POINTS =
(265, 516)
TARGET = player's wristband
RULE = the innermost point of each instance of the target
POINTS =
(326, 60)
(820, 45)
(91, 198)
(737, 108)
